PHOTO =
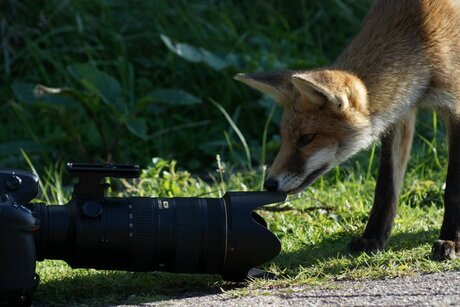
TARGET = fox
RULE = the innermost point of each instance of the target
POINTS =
(406, 56)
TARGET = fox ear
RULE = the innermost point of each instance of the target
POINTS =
(324, 87)
(276, 84)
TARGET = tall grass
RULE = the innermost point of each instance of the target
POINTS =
(40, 39)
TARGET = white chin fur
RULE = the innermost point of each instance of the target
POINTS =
(292, 181)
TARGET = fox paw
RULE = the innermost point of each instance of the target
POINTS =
(363, 245)
(445, 250)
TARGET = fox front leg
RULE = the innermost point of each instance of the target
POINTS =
(448, 245)
(395, 152)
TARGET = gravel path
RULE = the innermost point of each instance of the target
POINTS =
(439, 289)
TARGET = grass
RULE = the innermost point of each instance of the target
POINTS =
(314, 228)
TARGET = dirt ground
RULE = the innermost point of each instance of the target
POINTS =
(437, 289)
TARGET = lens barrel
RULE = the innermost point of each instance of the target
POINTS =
(187, 235)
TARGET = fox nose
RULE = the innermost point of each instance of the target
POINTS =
(271, 184)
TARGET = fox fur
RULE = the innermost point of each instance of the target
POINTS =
(406, 56)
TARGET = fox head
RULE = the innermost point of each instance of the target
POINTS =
(325, 121)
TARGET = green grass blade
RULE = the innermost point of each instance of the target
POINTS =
(237, 131)
(40, 183)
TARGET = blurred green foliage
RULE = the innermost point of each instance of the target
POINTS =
(137, 77)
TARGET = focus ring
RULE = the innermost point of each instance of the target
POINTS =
(188, 226)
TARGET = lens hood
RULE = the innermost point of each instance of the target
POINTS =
(249, 241)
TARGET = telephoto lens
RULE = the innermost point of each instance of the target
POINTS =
(183, 234)
(187, 235)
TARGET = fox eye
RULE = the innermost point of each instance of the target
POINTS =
(305, 139)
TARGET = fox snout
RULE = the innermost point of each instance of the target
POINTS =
(271, 184)
(294, 182)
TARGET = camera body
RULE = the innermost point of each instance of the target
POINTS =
(17, 226)
(181, 234)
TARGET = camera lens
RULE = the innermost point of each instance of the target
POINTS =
(188, 235)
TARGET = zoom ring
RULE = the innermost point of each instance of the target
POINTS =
(143, 229)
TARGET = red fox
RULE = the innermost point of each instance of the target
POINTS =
(407, 55)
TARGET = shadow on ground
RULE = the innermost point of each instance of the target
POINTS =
(108, 287)
(336, 247)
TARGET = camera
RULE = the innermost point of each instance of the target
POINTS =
(181, 234)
